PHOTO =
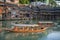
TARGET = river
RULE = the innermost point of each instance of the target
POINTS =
(31, 36)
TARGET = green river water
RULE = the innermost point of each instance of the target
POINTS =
(28, 36)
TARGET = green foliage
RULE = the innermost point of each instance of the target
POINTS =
(28, 1)
(41, 0)
(24, 1)
(51, 2)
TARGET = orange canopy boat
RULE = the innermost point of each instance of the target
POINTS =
(27, 28)
(40, 27)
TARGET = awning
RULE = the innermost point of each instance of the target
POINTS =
(46, 22)
(23, 25)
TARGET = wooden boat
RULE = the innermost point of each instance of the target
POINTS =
(22, 28)
(40, 27)
(31, 30)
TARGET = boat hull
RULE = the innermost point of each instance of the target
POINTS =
(25, 31)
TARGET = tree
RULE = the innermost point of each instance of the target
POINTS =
(52, 3)
(40, 0)
(24, 1)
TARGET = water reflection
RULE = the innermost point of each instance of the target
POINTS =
(20, 36)
(54, 36)
(29, 36)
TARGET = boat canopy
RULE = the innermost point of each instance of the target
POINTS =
(45, 22)
(27, 25)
